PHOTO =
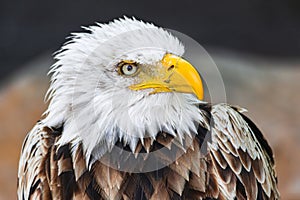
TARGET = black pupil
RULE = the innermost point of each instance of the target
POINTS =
(129, 67)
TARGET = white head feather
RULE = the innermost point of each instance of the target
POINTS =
(93, 101)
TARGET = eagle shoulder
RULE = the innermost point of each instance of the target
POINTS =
(32, 173)
(43, 168)
(241, 158)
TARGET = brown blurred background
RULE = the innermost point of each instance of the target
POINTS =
(256, 46)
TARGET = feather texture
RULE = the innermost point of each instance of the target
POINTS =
(48, 171)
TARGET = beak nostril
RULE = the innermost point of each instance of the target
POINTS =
(167, 81)
(171, 67)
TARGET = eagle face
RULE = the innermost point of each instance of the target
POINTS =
(123, 81)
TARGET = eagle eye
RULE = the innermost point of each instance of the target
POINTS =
(128, 69)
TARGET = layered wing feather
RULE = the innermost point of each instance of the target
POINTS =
(242, 159)
(32, 174)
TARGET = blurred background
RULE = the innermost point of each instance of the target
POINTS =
(255, 44)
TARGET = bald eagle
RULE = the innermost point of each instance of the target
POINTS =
(127, 120)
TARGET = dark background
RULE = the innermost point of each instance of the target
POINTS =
(269, 28)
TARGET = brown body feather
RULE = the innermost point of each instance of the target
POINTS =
(227, 171)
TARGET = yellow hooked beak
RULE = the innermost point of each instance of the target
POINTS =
(177, 75)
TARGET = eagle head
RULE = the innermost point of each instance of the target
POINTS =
(122, 82)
